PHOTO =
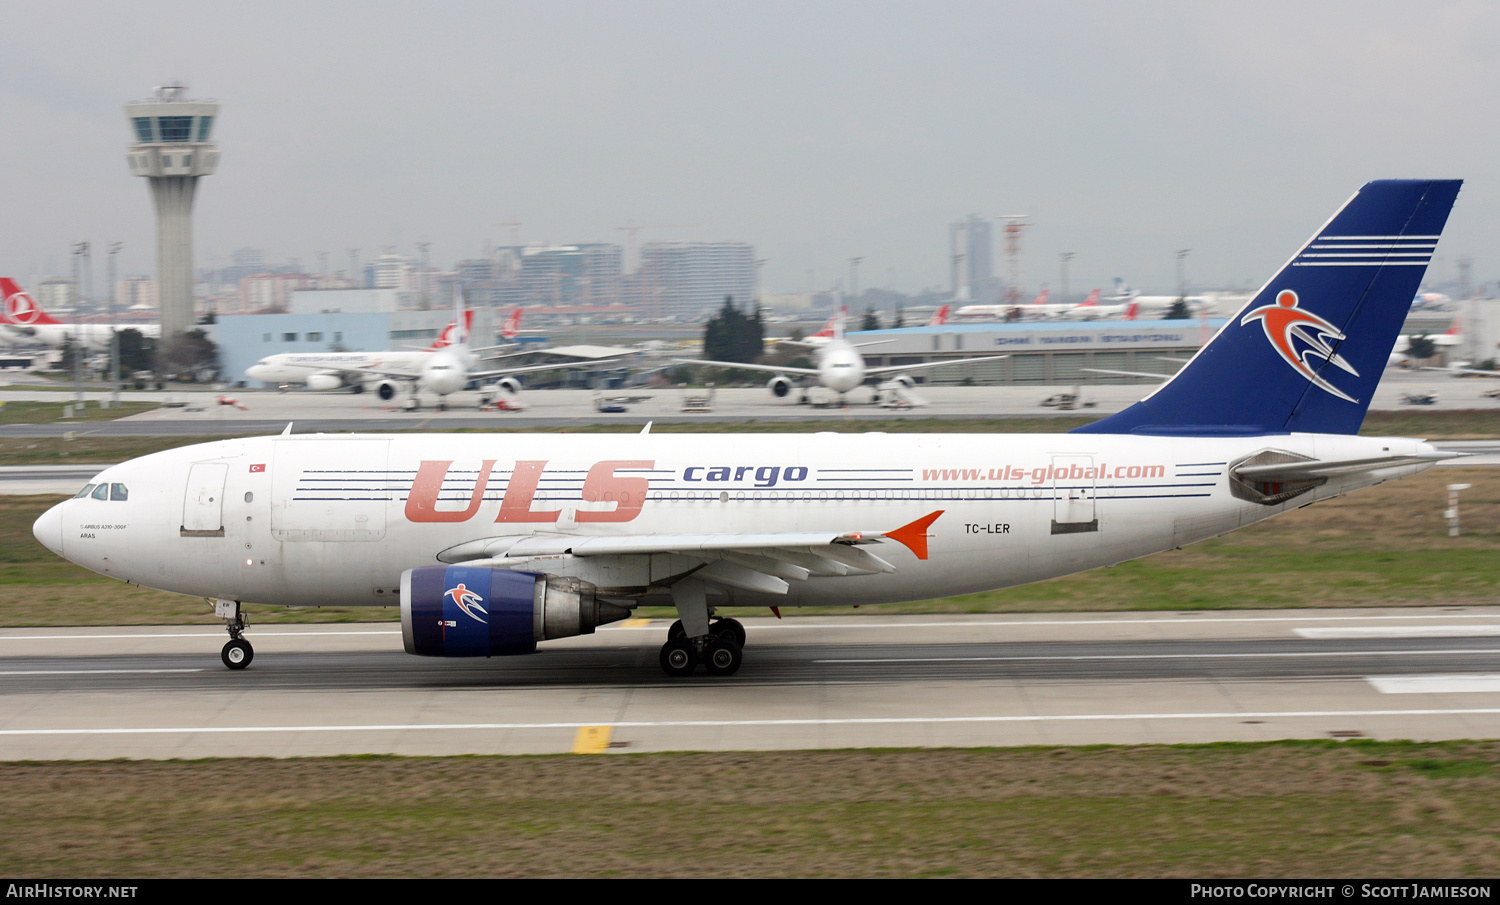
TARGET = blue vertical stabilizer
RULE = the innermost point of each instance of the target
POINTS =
(1307, 352)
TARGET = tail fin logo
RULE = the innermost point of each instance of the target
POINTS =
(512, 327)
(21, 308)
(1286, 324)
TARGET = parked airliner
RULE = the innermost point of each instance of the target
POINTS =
(840, 367)
(23, 320)
(490, 544)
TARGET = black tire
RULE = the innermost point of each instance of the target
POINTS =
(676, 631)
(237, 654)
(677, 658)
(732, 627)
(723, 656)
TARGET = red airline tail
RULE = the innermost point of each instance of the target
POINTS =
(445, 339)
(1456, 328)
(1133, 312)
(827, 330)
(1091, 301)
(512, 326)
(20, 308)
(940, 318)
(1042, 299)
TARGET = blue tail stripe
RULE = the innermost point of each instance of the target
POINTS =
(1308, 350)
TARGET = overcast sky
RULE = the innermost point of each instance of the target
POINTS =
(818, 131)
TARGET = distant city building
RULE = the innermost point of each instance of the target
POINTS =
(55, 292)
(689, 280)
(272, 291)
(136, 292)
(971, 249)
(392, 271)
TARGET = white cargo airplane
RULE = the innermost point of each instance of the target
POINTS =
(491, 544)
(23, 320)
(443, 369)
(840, 366)
(334, 370)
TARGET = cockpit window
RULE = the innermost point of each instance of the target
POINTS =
(87, 489)
(101, 492)
(118, 492)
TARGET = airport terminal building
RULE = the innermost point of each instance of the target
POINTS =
(1043, 352)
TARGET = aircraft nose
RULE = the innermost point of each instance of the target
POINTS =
(49, 529)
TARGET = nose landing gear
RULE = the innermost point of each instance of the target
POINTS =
(237, 652)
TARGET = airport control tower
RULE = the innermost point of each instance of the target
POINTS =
(172, 149)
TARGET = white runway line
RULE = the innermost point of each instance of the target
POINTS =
(91, 672)
(726, 724)
(1400, 631)
(1215, 656)
(1434, 684)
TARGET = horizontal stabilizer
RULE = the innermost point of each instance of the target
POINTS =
(1310, 470)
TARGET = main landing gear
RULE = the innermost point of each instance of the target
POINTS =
(237, 653)
(721, 651)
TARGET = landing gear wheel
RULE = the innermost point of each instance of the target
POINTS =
(677, 659)
(676, 631)
(237, 653)
(723, 656)
(731, 627)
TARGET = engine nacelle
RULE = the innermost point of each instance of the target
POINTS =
(477, 611)
(904, 381)
(386, 389)
(323, 382)
(780, 387)
(510, 385)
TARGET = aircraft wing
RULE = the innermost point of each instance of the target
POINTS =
(896, 369)
(397, 373)
(1464, 371)
(755, 562)
(556, 366)
(769, 369)
(1126, 373)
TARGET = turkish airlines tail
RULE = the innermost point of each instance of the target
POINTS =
(1133, 312)
(940, 318)
(512, 326)
(446, 338)
(20, 308)
(1042, 299)
(1305, 354)
(1091, 301)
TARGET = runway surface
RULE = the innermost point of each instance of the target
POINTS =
(808, 682)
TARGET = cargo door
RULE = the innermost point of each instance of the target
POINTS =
(1073, 491)
(203, 502)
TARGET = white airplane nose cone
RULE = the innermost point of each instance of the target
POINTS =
(49, 529)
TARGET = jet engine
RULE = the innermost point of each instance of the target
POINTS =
(323, 382)
(510, 385)
(780, 387)
(386, 389)
(477, 611)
